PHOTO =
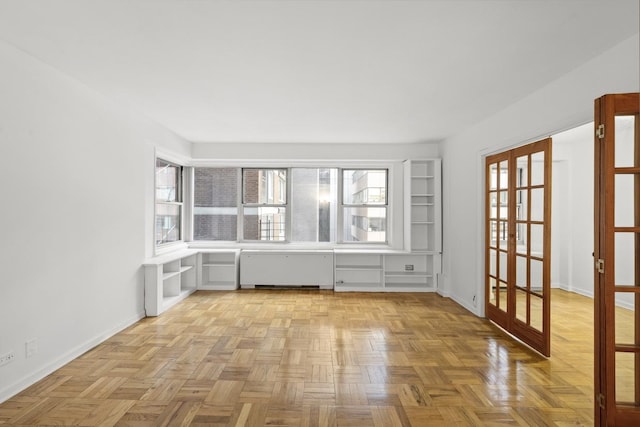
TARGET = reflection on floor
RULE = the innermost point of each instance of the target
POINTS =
(294, 357)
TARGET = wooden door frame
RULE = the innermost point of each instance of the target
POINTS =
(498, 316)
(607, 411)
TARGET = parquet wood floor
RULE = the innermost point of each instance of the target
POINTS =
(318, 358)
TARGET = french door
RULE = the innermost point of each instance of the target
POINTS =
(518, 242)
(617, 260)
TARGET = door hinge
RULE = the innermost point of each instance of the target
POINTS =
(600, 131)
(601, 400)
(600, 265)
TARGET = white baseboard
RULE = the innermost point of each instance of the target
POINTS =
(583, 292)
(465, 304)
(15, 388)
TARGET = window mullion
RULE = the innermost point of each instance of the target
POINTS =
(287, 207)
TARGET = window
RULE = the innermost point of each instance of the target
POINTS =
(264, 204)
(364, 205)
(314, 204)
(215, 204)
(168, 202)
(300, 204)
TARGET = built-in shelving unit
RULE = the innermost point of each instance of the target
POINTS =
(358, 271)
(383, 271)
(408, 273)
(422, 210)
(218, 269)
(413, 268)
(422, 228)
(169, 279)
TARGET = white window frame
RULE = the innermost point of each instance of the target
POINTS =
(270, 193)
(342, 206)
(394, 206)
(179, 202)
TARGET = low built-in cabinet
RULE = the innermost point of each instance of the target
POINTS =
(358, 271)
(168, 280)
(383, 272)
(408, 273)
(219, 269)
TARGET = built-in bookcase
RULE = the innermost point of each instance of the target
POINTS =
(422, 205)
(422, 224)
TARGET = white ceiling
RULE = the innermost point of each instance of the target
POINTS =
(316, 71)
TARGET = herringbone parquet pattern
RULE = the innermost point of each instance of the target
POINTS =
(318, 358)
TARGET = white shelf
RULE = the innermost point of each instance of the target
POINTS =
(359, 267)
(168, 302)
(219, 285)
(358, 287)
(170, 274)
(407, 274)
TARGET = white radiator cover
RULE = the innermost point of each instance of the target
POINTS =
(286, 268)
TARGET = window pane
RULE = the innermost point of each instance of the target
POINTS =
(364, 187)
(215, 211)
(264, 223)
(264, 186)
(167, 223)
(167, 181)
(314, 202)
(365, 224)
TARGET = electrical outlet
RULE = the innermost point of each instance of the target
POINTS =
(408, 267)
(31, 347)
(7, 358)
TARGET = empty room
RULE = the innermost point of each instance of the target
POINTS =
(320, 213)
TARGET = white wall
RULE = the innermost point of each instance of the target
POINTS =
(573, 235)
(560, 220)
(77, 174)
(563, 104)
(573, 238)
